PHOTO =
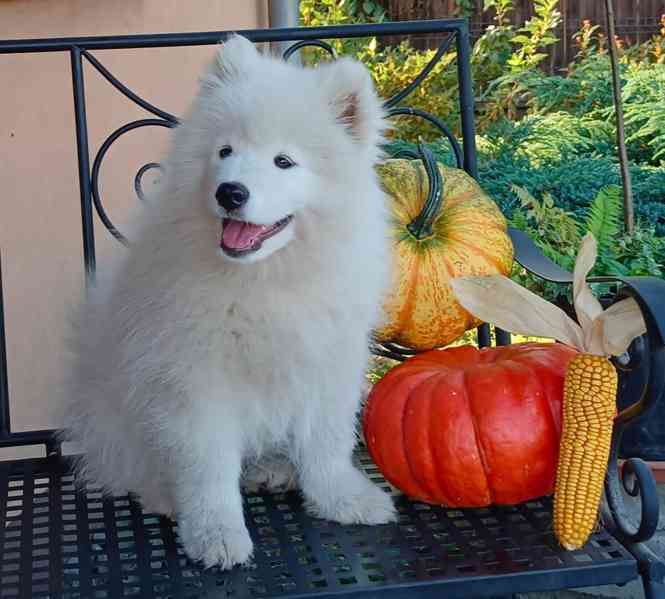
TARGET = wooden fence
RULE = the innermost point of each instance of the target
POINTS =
(637, 20)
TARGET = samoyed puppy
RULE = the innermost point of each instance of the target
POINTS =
(233, 337)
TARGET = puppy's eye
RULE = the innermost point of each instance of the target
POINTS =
(283, 161)
(225, 151)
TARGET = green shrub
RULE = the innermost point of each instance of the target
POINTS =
(535, 36)
(543, 138)
(573, 180)
(561, 137)
(642, 253)
(558, 234)
(644, 101)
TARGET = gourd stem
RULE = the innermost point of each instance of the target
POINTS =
(421, 226)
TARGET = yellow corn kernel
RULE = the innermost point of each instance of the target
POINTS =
(589, 405)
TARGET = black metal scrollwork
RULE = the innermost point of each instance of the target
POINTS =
(104, 72)
(293, 48)
(441, 51)
(99, 158)
(164, 119)
(635, 480)
(642, 377)
(138, 178)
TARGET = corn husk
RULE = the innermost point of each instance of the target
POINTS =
(503, 303)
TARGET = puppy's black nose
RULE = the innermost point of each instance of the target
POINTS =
(232, 195)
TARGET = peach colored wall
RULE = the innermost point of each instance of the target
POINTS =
(40, 235)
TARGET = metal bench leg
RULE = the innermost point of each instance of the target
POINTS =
(652, 571)
(653, 580)
(653, 589)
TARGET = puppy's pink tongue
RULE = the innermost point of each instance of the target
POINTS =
(240, 235)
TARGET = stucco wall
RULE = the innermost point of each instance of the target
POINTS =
(39, 200)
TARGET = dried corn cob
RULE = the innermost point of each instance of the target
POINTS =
(589, 401)
(589, 406)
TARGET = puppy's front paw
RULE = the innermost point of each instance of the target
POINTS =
(355, 501)
(215, 545)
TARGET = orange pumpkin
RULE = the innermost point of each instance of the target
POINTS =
(453, 231)
(465, 427)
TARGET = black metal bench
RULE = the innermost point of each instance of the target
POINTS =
(59, 542)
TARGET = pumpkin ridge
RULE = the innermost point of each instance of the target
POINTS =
(404, 317)
(519, 362)
(425, 494)
(492, 260)
(484, 255)
(427, 407)
(481, 449)
(379, 405)
(438, 474)
(545, 398)
(449, 266)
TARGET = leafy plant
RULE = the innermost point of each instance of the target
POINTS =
(648, 122)
(642, 253)
(553, 229)
(318, 13)
(652, 51)
(536, 35)
(558, 134)
(502, 10)
(592, 80)
(329, 12)
(508, 95)
(643, 95)
(558, 233)
(656, 46)
(587, 40)
(464, 8)
(493, 49)
(604, 217)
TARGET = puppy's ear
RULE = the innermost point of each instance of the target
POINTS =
(353, 100)
(234, 57)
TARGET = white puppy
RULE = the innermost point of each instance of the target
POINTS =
(237, 326)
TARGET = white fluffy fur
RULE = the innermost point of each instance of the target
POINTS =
(191, 365)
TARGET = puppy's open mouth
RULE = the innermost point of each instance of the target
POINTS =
(240, 237)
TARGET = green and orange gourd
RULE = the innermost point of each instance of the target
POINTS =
(443, 226)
